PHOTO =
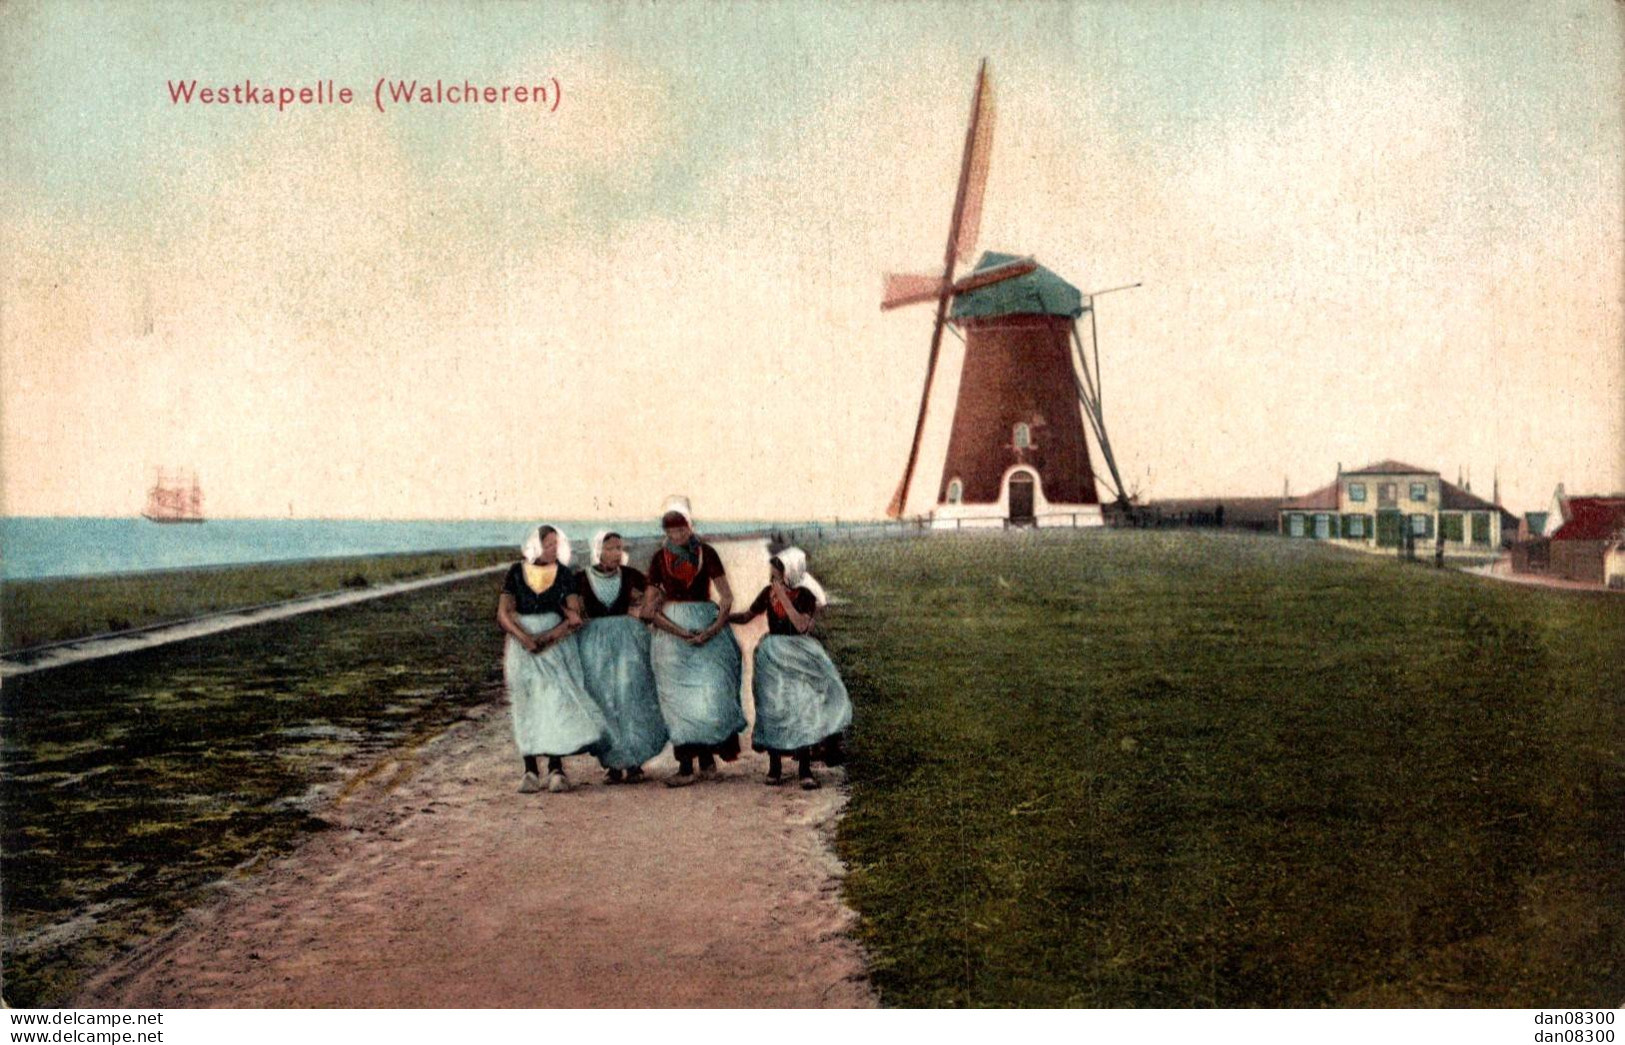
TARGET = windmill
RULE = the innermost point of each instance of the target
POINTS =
(1017, 450)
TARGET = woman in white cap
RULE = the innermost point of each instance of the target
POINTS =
(695, 658)
(801, 703)
(538, 609)
(615, 658)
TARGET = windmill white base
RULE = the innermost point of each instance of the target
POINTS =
(1046, 514)
(996, 517)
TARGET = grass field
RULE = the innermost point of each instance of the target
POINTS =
(33, 612)
(134, 783)
(1194, 769)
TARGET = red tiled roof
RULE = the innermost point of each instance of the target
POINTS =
(1453, 498)
(1391, 467)
(1319, 500)
(1593, 519)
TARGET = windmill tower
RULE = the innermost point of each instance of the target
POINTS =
(1018, 453)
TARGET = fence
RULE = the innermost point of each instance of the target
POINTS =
(820, 532)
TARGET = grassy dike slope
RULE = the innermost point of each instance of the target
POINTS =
(132, 784)
(33, 612)
(1144, 769)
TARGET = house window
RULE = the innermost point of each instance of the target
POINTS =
(956, 491)
(1356, 523)
(1023, 437)
(1294, 525)
(1450, 527)
(1419, 491)
(1357, 492)
(1323, 527)
(1387, 494)
(1419, 525)
(1481, 527)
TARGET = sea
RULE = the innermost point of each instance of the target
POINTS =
(75, 546)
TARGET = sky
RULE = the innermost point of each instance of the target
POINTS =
(1364, 232)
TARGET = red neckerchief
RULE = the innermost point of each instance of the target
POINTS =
(773, 604)
(678, 570)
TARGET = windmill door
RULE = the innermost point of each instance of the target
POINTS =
(1021, 499)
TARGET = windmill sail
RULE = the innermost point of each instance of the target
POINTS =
(913, 288)
(977, 155)
(909, 289)
(961, 243)
(986, 277)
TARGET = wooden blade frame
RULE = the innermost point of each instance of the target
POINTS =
(899, 499)
(998, 274)
(911, 289)
(1088, 389)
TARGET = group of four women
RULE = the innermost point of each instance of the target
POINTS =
(617, 663)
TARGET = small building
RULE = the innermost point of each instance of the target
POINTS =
(1587, 546)
(1509, 524)
(1387, 503)
(1532, 555)
(1532, 551)
(1533, 525)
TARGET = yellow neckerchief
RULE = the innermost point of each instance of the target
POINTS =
(540, 578)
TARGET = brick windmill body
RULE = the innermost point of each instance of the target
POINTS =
(1018, 449)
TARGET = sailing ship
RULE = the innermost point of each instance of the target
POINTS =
(174, 498)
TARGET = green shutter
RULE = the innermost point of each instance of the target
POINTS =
(1481, 527)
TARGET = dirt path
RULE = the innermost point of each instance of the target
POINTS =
(438, 885)
(1501, 570)
(73, 651)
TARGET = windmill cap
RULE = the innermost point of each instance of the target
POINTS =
(1039, 292)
